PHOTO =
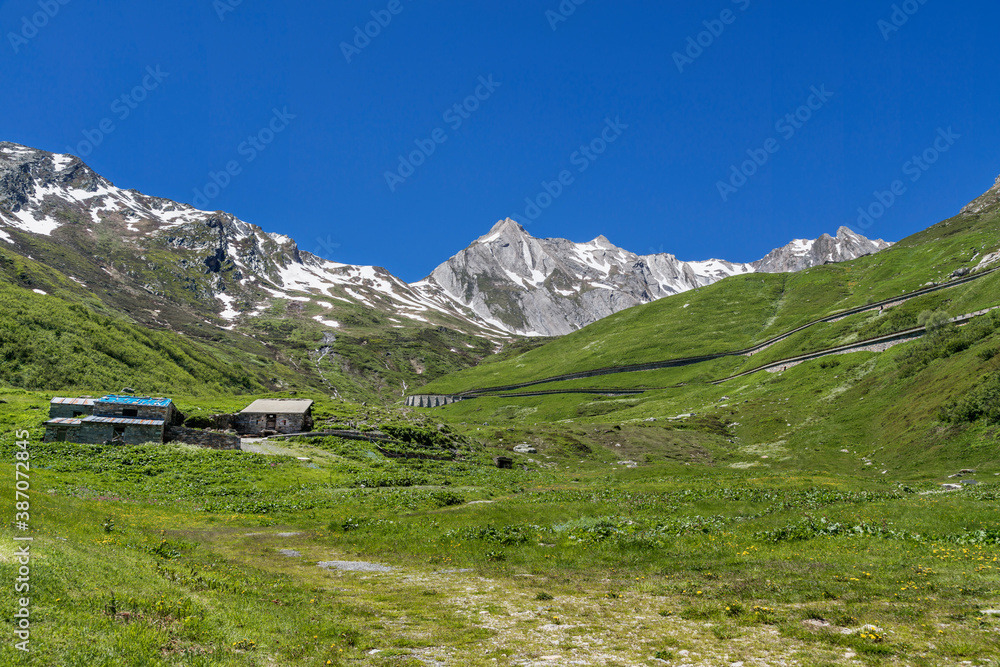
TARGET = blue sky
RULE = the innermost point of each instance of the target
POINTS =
(596, 98)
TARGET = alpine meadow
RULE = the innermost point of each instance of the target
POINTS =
(374, 399)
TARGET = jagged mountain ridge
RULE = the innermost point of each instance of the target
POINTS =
(211, 261)
(546, 287)
(229, 271)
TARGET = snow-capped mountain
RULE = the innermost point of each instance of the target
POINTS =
(161, 260)
(164, 249)
(547, 287)
(801, 254)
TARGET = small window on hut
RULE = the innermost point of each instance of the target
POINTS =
(130, 412)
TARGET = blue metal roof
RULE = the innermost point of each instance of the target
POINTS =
(135, 400)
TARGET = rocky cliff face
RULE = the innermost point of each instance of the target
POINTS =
(546, 287)
(988, 199)
(802, 254)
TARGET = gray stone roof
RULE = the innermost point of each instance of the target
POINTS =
(278, 406)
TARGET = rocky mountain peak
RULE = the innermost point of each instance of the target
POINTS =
(550, 287)
(987, 200)
(603, 242)
(504, 229)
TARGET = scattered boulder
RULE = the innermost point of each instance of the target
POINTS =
(525, 449)
(964, 271)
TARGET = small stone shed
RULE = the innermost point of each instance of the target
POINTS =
(71, 408)
(276, 415)
(138, 407)
(97, 430)
(130, 420)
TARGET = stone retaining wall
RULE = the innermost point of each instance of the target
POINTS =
(200, 438)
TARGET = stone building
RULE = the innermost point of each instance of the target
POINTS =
(275, 415)
(71, 408)
(138, 407)
(96, 430)
(115, 419)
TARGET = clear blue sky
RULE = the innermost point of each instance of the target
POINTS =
(322, 178)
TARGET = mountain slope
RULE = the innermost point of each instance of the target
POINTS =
(547, 287)
(350, 330)
(736, 313)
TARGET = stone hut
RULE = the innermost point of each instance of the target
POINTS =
(115, 419)
(275, 415)
(138, 407)
(96, 430)
(71, 408)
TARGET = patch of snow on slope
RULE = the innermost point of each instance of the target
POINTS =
(295, 275)
(38, 291)
(26, 222)
(327, 323)
(5, 236)
(228, 312)
(60, 162)
(801, 247)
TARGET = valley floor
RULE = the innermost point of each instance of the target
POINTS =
(325, 553)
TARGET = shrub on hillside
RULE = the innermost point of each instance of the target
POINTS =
(982, 402)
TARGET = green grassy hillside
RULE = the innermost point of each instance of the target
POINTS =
(77, 337)
(743, 310)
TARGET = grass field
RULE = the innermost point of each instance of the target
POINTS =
(706, 552)
(789, 518)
